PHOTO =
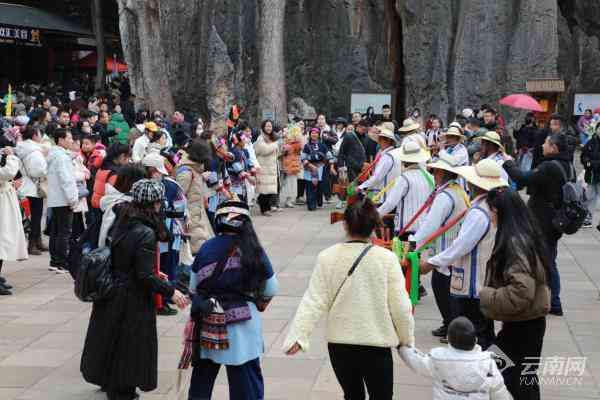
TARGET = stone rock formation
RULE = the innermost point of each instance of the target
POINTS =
(440, 55)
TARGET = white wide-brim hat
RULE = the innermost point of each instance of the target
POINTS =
(453, 131)
(386, 133)
(412, 152)
(409, 125)
(492, 137)
(446, 161)
(486, 174)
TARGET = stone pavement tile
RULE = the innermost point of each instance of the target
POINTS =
(275, 367)
(273, 325)
(40, 357)
(77, 324)
(290, 388)
(22, 377)
(65, 306)
(46, 318)
(413, 392)
(170, 345)
(166, 380)
(19, 335)
(58, 340)
(10, 394)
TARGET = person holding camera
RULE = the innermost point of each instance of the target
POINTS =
(315, 157)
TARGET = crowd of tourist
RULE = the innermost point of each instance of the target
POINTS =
(175, 200)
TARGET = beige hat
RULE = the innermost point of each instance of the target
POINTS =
(492, 137)
(412, 152)
(386, 133)
(157, 161)
(486, 174)
(446, 161)
(453, 131)
(388, 125)
(409, 125)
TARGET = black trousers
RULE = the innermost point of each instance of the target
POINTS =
(467, 307)
(37, 210)
(440, 284)
(61, 225)
(522, 343)
(265, 201)
(301, 188)
(358, 366)
(327, 182)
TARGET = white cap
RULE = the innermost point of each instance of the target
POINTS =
(157, 161)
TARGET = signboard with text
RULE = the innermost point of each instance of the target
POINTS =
(20, 36)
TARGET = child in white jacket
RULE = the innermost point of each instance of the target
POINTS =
(460, 371)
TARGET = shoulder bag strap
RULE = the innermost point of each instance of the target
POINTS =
(352, 269)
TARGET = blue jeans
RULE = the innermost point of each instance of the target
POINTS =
(314, 195)
(583, 137)
(555, 303)
(245, 381)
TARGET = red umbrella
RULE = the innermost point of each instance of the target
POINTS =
(597, 110)
(524, 101)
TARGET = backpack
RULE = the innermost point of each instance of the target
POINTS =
(87, 242)
(94, 281)
(572, 212)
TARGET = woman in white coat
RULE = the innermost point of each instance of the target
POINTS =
(32, 154)
(13, 245)
(267, 149)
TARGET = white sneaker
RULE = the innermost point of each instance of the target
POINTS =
(340, 205)
(289, 205)
(61, 271)
(53, 269)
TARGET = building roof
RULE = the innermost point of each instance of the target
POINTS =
(31, 17)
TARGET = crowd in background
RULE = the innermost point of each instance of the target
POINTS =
(73, 164)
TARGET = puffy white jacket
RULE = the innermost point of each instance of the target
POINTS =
(33, 166)
(458, 374)
(62, 186)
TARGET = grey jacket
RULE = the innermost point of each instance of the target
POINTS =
(62, 186)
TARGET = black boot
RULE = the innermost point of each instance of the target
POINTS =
(4, 290)
(33, 250)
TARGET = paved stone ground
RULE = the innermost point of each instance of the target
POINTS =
(42, 327)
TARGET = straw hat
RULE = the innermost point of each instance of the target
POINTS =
(412, 152)
(446, 161)
(492, 137)
(409, 125)
(486, 174)
(386, 133)
(453, 131)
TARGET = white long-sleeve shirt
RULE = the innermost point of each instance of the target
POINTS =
(407, 196)
(381, 175)
(474, 227)
(500, 161)
(459, 152)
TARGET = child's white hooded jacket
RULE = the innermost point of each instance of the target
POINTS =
(458, 374)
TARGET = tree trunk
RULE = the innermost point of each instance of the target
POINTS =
(272, 98)
(139, 24)
(100, 50)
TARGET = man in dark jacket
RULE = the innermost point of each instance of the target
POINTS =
(544, 185)
(590, 158)
(369, 145)
(555, 125)
(351, 155)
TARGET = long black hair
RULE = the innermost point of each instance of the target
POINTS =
(518, 238)
(251, 257)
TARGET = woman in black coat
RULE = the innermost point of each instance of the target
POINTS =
(121, 346)
(544, 186)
